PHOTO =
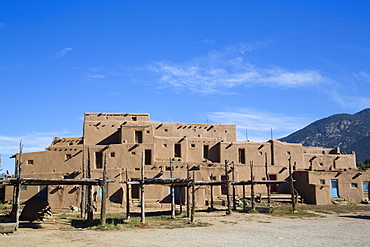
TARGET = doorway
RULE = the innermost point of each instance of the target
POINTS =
(334, 188)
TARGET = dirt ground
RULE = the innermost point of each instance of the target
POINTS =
(322, 226)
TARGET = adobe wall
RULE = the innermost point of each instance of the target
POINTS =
(122, 138)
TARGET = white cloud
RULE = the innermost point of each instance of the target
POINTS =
(205, 41)
(362, 76)
(259, 124)
(62, 52)
(33, 142)
(98, 76)
(223, 70)
(353, 102)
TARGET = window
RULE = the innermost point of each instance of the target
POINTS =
(212, 178)
(134, 118)
(23, 187)
(148, 157)
(112, 154)
(68, 156)
(205, 151)
(322, 181)
(241, 155)
(138, 137)
(98, 160)
(192, 145)
(177, 150)
(30, 162)
(354, 185)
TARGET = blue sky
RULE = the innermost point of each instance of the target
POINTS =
(256, 64)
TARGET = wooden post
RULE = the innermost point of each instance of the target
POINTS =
(180, 198)
(17, 187)
(192, 200)
(128, 215)
(252, 186)
(173, 206)
(227, 188)
(234, 199)
(267, 178)
(90, 213)
(83, 187)
(244, 202)
(104, 187)
(187, 192)
(211, 193)
(142, 189)
(291, 183)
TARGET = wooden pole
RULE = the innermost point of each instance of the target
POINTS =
(227, 188)
(291, 183)
(104, 187)
(180, 198)
(83, 187)
(128, 215)
(267, 178)
(211, 199)
(192, 200)
(244, 202)
(252, 186)
(187, 192)
(173, 206)
(17, 187)
(234, 198)
(142, 189)
(90, 213)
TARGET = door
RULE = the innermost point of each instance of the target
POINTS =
(366, 191)
(223, 186)
(179, 195)
(334, 188)
(273, 187)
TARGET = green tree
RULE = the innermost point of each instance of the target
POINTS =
(367, 163)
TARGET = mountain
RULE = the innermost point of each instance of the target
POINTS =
(350, 132)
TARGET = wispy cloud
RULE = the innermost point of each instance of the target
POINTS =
(97, 76)
(62, 52)
(348, 101)
(32, 142)
(362, 76)
(220, 71)
(259, 124)
(205, 41)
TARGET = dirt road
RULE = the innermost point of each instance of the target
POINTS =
(232, 230)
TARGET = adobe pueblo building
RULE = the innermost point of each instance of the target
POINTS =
(126, 140)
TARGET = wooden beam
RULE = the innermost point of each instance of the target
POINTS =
(228, 188)
(173, 206)
(89, 208)
(103, 209)
(252, 186)
(291, 181)
(192, 200)
(128, 187)
(142, 188)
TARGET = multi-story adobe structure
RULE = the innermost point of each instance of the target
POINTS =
(121, 139)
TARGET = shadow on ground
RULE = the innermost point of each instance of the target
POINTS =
(360, 217)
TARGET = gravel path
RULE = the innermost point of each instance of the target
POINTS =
(233, 230)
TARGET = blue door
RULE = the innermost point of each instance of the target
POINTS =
(334, 188)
